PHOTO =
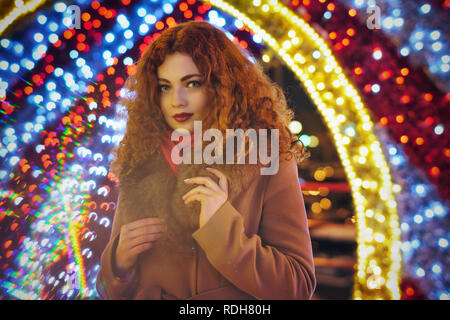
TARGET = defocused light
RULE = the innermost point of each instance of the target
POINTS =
(295, 127)
(420, 272)
(306, 140)
(426, 8)
(167, 8)
(377, 54)
(314, 142)
(443, 243)
(109, 37)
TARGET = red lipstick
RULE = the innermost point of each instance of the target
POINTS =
(181, 117)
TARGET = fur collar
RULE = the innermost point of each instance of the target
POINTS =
(154, 191)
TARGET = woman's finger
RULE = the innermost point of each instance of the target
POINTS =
(141, 248)
(200, 189)
(144, 239)
(149, 229)
(195, 197)
(205, 181)
(223, 183)
(142, 222)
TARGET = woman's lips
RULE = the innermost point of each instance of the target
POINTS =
(181, 117)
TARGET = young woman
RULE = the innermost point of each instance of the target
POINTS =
(227, 232)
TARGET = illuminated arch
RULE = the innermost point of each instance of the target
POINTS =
(308, 56)
(19, 11)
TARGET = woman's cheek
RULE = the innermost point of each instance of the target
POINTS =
(199, 101)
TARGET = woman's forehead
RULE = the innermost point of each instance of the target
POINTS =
(176, 64)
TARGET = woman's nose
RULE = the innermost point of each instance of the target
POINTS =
(179, 97)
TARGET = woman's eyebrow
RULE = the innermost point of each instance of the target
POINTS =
(182, 79)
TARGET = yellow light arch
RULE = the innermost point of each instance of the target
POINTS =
(308, 56)
(20, 9)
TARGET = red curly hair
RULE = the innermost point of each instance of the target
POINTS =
(240, 94)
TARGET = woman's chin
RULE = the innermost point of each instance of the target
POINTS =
(181, 128)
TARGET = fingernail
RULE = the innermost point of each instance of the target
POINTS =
(187, 179)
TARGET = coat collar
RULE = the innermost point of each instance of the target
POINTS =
(155, 191)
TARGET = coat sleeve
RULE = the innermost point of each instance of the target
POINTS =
(109, 285)
(276, 263)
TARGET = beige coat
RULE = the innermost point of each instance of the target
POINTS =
(256, 246)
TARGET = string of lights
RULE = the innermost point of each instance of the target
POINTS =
(423, 223)
(20, 9)
(417, 124)
(420, 31)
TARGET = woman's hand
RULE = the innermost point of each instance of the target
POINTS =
(136, 237)
(211, 195)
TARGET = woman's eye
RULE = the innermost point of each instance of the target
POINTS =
(163, 88)
(194, 84)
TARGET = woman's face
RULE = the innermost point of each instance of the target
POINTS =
(182, 94)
